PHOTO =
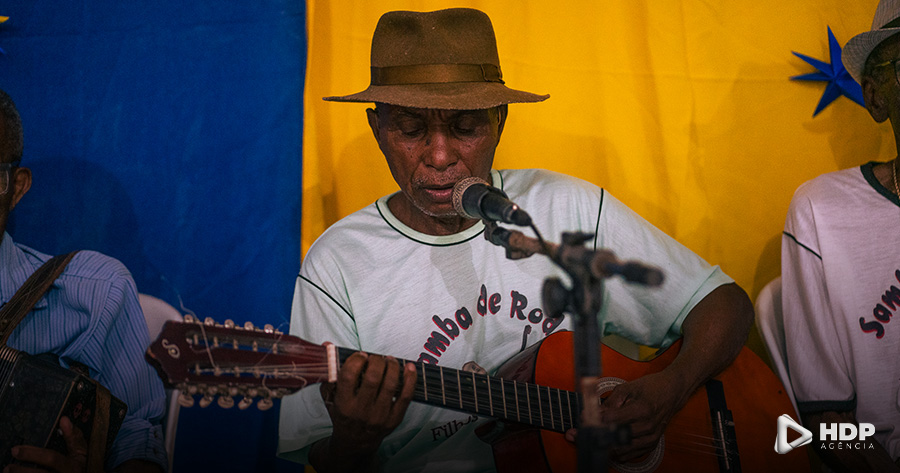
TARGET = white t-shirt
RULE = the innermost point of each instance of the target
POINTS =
(374, 284)
(841, 287)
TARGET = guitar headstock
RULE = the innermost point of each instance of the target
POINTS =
(230, 361)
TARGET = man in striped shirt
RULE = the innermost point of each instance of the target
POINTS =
(90, 316)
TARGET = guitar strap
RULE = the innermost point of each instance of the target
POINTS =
(27, 296)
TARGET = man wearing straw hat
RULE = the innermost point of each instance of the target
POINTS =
(841, 275)
(410, 277)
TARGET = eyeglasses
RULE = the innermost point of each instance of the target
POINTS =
(5, 176)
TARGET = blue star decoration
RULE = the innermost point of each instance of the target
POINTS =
(839, 80)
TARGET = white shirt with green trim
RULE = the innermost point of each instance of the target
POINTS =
(372, 283)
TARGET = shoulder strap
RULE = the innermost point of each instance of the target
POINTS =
(27, 296)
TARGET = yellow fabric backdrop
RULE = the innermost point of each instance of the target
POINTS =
(684, 111)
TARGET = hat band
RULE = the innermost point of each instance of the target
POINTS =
(435, 74)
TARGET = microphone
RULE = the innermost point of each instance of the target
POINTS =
(474, 198)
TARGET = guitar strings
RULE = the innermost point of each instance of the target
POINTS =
(499, 404)
(258, 366)
(701, 445)
(542, 406)
(691, 428)
(208, 351)
(530, 398)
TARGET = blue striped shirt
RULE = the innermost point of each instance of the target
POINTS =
(91, 315)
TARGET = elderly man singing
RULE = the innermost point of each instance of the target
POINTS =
(409, 276)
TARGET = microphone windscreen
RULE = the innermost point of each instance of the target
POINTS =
(459, 189)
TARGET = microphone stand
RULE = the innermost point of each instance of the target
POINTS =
(587, 270)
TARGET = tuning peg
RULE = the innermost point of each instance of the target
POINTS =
(206, 400)
(264, 404)
(209, 322)
(185, 400)
(226, 402)
(229, 323)
(248, 325)
(268, 328)
(190, 319)
(245, 403)
(252, 392)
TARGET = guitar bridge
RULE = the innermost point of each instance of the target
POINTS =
(725, 438)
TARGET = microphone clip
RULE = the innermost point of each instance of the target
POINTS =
(500, 236)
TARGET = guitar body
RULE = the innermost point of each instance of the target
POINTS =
(753, 394)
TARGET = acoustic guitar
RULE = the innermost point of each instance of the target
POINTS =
(727, 426)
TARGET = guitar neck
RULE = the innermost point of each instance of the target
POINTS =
(246, 362)
(465, 391)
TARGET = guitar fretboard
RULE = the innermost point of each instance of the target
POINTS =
(526, 403)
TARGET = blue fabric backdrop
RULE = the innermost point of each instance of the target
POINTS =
(167, 134)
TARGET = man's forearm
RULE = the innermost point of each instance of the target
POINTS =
(714, 332)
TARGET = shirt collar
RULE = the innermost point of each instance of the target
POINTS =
(15, 268)
(434, 240)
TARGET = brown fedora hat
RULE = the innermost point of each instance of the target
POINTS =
(444, 59)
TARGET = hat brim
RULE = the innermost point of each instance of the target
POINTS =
(445, 96)
(858, 49)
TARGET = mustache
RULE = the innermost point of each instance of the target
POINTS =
(440, 182)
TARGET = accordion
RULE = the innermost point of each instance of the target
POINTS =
(35, 393)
